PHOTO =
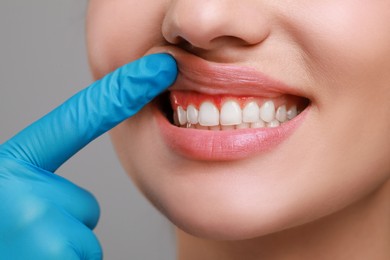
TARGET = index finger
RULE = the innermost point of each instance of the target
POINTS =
(53, 139)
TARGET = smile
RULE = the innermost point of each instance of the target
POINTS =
(218, 112)
(207, 112)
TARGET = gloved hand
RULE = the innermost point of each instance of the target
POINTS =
(42, 215)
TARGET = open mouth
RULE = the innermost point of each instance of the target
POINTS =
(224, 127)
(219, 112)
(219, 97)
(190, 109)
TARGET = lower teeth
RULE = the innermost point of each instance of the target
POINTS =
(272, 124)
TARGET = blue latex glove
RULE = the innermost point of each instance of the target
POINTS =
(42, 215)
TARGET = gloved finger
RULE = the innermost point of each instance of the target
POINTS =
(53, 139)
(85, 243)
(52, 234)
(29, 191)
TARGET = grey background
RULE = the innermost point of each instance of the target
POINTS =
(42, 62)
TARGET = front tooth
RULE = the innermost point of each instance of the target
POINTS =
(231, 113)
(208, 114)
(292, 112)
(181, 115)
(281, 114)
(250, 113)
(192, 114)
(267, 111)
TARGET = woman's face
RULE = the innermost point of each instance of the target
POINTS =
(236, 168)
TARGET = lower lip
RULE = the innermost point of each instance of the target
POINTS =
(231, 145)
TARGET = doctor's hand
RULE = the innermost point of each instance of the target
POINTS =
(42, 215)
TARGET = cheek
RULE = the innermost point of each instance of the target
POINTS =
(120, 31)
(346, 42)
(143, 154)
(348, 55)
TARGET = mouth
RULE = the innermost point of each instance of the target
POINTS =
(189, 109)
(225, 112)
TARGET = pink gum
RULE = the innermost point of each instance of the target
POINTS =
(186, 98)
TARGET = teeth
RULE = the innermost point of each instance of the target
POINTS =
(208, 114)
(259, 124)
(232, 116)
(192, 114)
(243, 126)
(227, 127)
(231, 113)
(201, 127)
(181, 115)
(250, 113)
(273, 123)
(215, 128)
(281, 114)
(267, 111)
(292, 112)
(175, 118)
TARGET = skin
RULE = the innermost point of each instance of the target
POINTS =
(324, 193)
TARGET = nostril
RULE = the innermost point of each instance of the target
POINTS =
(206, 25)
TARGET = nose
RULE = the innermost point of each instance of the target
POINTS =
(207, 24)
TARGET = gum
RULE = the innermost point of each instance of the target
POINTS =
(186, 98)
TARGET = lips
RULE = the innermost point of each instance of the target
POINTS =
(222, 85)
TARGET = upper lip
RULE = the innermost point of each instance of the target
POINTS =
(197, 74)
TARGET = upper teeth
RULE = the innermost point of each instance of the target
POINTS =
(208, 114)
(232, 116)
(267, 111)
(231, 113)
(251, 112)
(192, 115)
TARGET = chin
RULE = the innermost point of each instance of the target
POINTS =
(228, 222)
(226, 200)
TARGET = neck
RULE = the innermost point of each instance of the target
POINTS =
(360, 231)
